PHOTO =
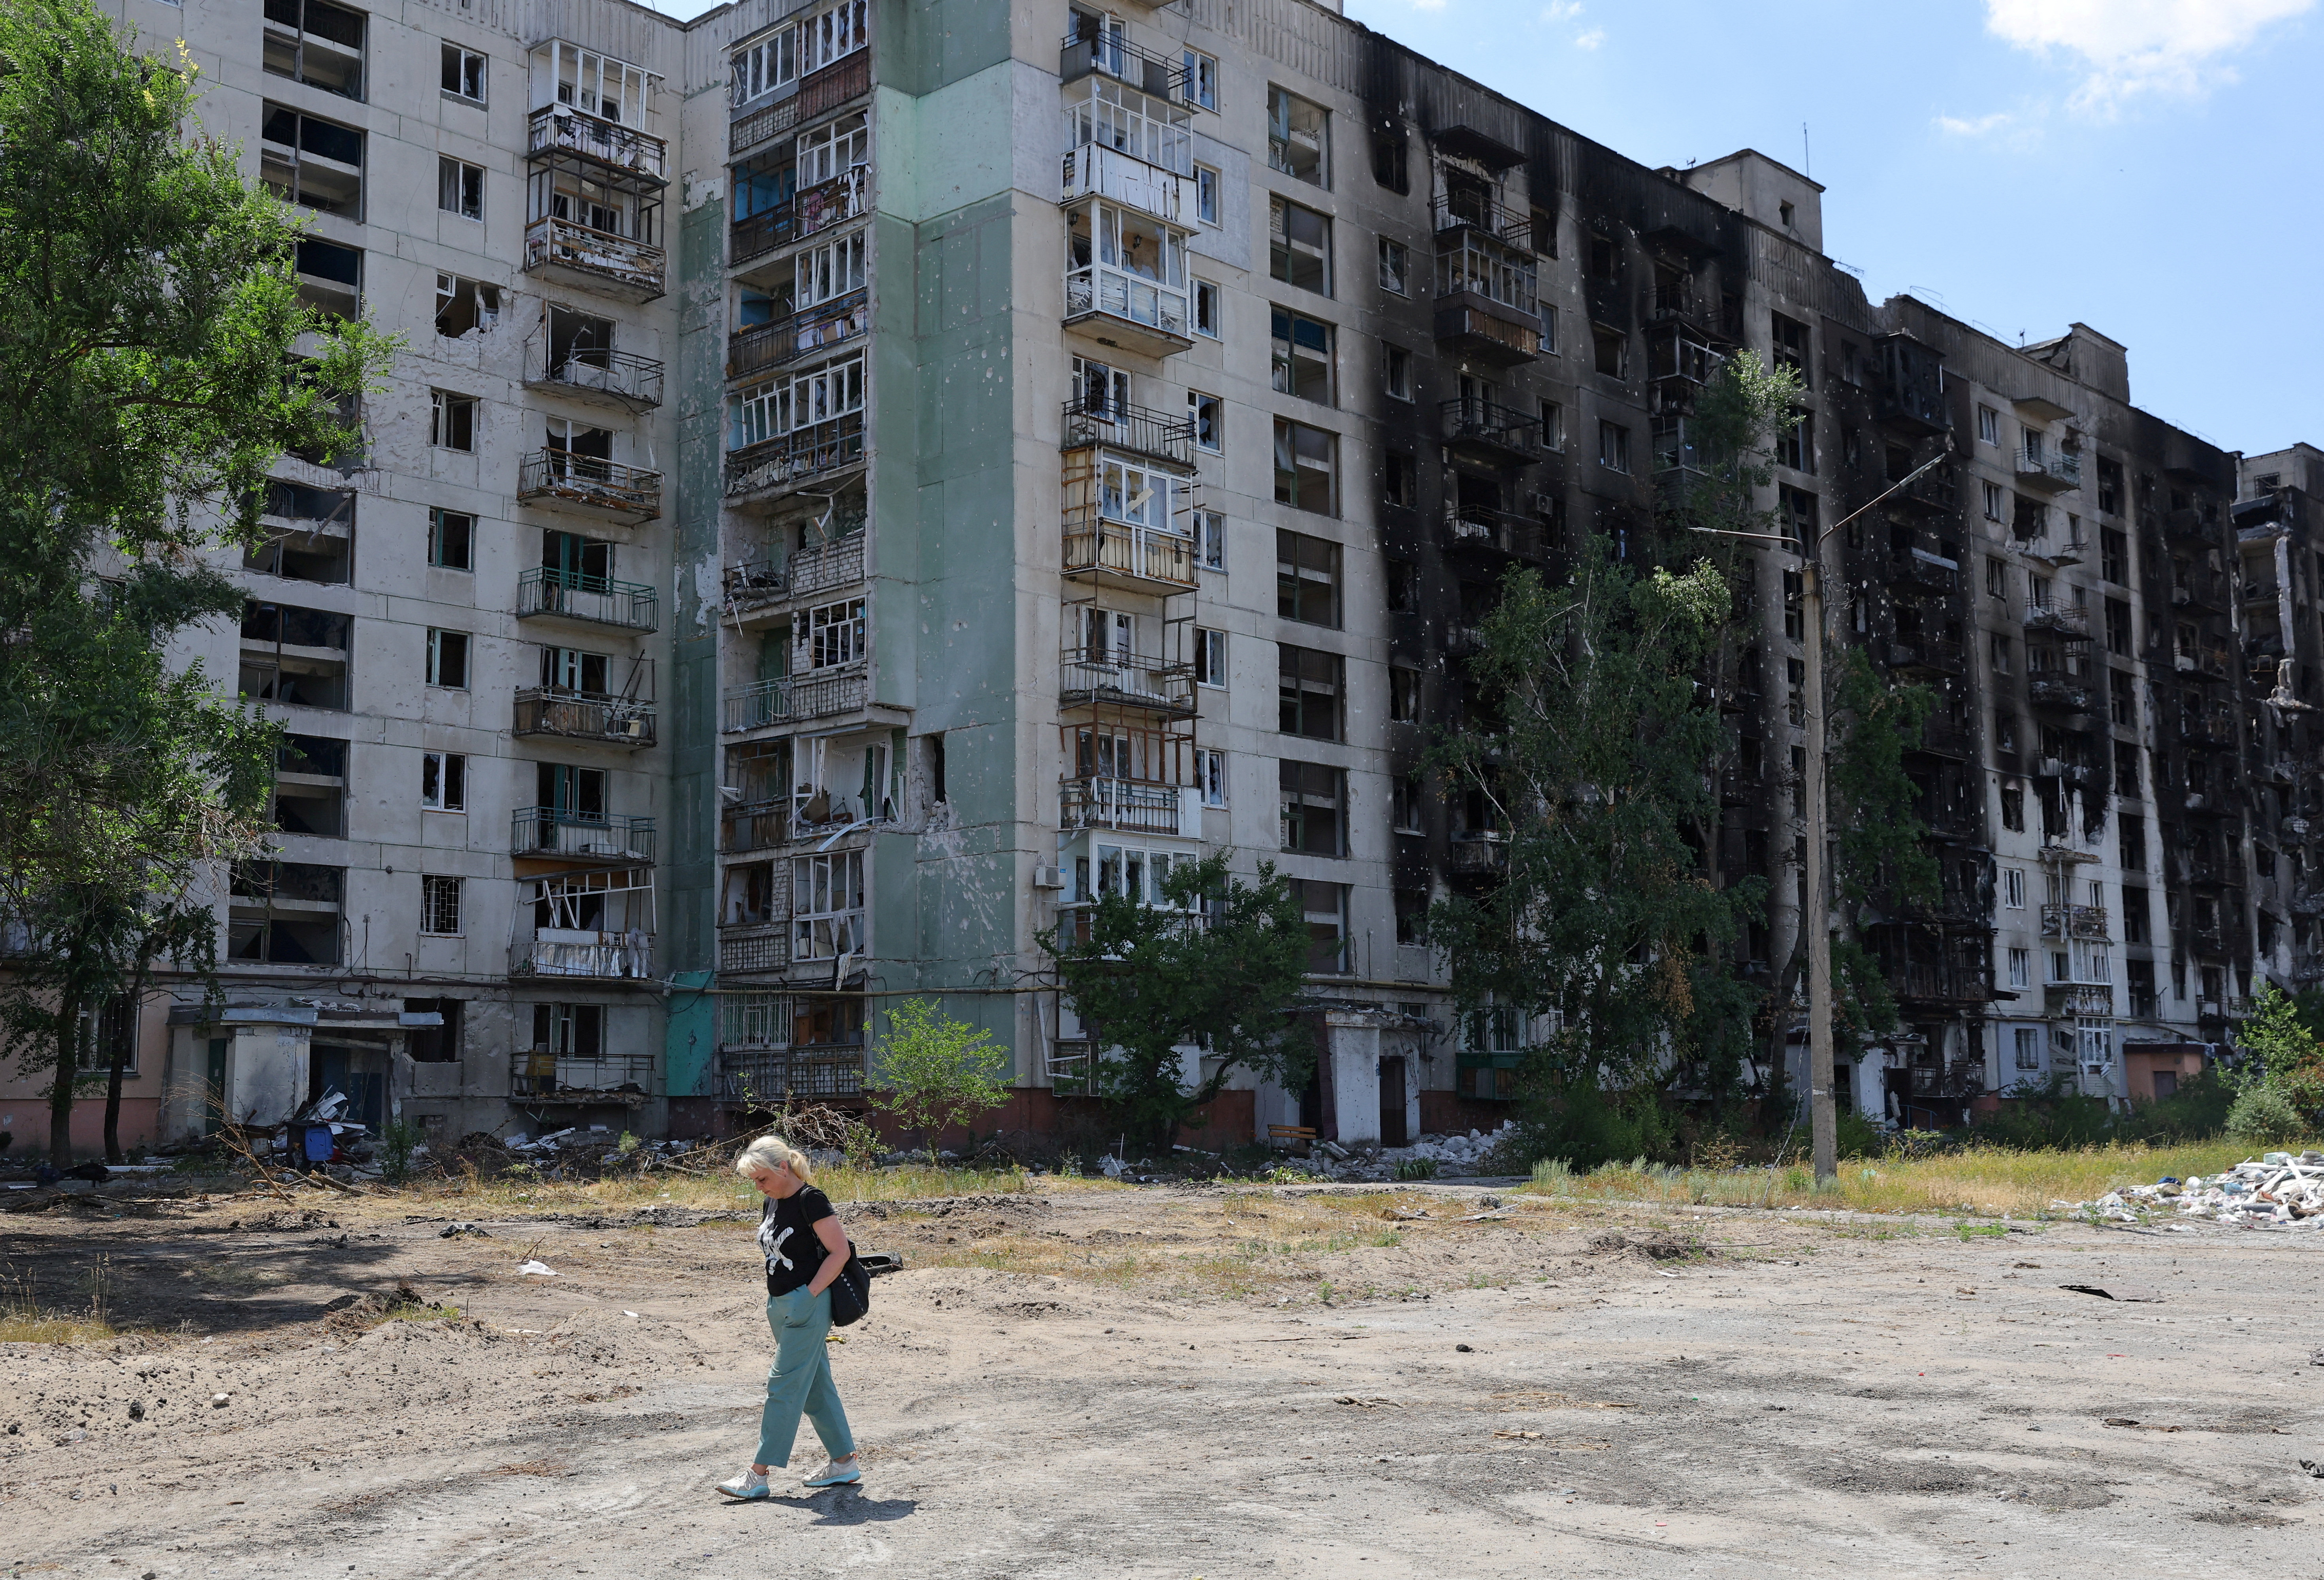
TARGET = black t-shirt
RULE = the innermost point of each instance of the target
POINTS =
(786, 1238)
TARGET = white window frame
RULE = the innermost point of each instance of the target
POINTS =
(1209, 304)
(1211, 775)
(2013, 888)
(436, 644)
(827, 904)
(1206, 195)
(797, 401)
(829, 270)
(830, 636)
(1395, 267)
(439, 893)
(440, 406)
(1211, 540)
(757, 69)
(462, 60)
(463, 184)
(1209, 658)
(1989, 425)
(831, 150)
(444, 781)
(1996, 504)
(831, 36)
(1202, 80)
(2021, 968)
(1196, 400)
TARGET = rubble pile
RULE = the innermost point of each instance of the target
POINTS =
(2283, 1189)
(1455, 1156)
(576, 1151)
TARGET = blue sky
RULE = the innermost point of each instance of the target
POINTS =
(2147, 167)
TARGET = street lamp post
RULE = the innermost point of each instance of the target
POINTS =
(1816, 923)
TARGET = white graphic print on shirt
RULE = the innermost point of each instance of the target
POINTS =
(771, 1241)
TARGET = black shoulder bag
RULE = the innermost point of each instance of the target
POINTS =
(851, 1292)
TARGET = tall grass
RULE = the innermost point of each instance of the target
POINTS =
(23, 1320)
(721, 1191)
(1980, 1181)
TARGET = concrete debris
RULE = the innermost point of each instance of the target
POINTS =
(452, 1231)
(2276, 1191)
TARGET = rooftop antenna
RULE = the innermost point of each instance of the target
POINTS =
(1807, 163)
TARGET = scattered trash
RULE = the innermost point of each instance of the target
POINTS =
(1464, 1349)
(2314, 1467)
(218, 1400)
(2117, 1292)
(451, 1231)
(2275, 1189)
(537, 1270)
(1406, 1213)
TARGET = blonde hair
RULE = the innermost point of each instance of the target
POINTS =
(772, 1151)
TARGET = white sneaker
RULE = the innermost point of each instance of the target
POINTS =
(747, 1485)
(837, 1475)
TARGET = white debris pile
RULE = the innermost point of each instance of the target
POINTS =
(2279, 1189)
(1454, 1155)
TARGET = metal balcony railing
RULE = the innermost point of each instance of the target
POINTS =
(2074, 922)
(1112, 55)
(1155, 435)
(1116, 550)
(1127, 680)
(753, 947)
(794, 457)
(591, 483)
(567, 952)
(1135, 806)
(1486, 425)
(618, 373)
(791, 698)
(818, 328)
(826, 89)
(561, 128)
(754, 582)
(1478, 853)
(2065, 619)
(584, 716)
(567, 834)
(535, 1072)
(2058, 694)
(1468, 209)
(570, 245)
(801, 215)
(631, 606)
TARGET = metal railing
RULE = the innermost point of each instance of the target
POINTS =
(754, 582)
(1469, 421)
(758, 946)
(1130, 680)
(1478, 852)
(805, 333)
(804, 1069)
(2061, 467)
(1139, 429)
(1112, 55)
(1134, 806)
(613, 372)
(537, 1073)
(584, 716)
(1504, 338)
(837, 564)
(597, 836)
(2065, 619)
(562, 128)
(2058, 694)
(801, 215)
(2073, 922)
(826, 89)
(572, 245)
(791, 698)
(792, 457)
(1142, 553)
(591, 482)
(632, 606)
(1471, 210)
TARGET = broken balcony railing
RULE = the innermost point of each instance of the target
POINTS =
(546, 589)
(1134, 806)
(597, 836)
(562, 127)
(1142, 430)
(579, 715)
(801, 215)
(1134, 680)
(826, 89)
(551, 241)
(590, 484)
(803, 453)
(630, 378)
(539, 1073)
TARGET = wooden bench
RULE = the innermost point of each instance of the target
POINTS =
(1290, 1133)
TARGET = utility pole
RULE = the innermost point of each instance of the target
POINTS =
(1815, 922)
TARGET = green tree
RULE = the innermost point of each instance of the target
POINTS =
(1219, 964)
(1594, 747)
(147, 383)
(2282, 1054)
(936, 1071)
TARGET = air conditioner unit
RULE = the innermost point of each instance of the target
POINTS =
(634, 729)
(1048, 878)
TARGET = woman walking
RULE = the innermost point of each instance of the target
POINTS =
(805, 1248)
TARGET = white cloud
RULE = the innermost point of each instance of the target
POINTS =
(1590, 40)
(2134, 47)
(1561, 11)
(1956, 126)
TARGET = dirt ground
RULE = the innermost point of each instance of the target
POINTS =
(1175, 1383)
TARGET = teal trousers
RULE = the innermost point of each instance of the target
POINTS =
(799, 1383)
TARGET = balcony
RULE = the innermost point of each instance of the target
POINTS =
(1094, 170)
(2051, 470)
(542, 593)
(2058, 695)
(2065, 770)
(1916, 570)
(1679, 361)
(1486, 300)
(1130, 806)
(2074, 922)
(817, 450)
(791, 699)
(751, 949)
(2091, 1000)
(823, 327)
(1948, 738)
(2064, 619)
(578, 952)
(630, 382)
(1469, 208)
(803, 214)
(1489, 432)
(2204, 590)
(1487, 331)
(1926, 656)
(1490, 531)
(540, 1077)
(1136, 558)
(2189, 524)
(1478, 854)
(1150, 684)
(1133, 292)
(591, 486)
(1153, 435)
(770, 1077)
(827, 89)
(567, 251)
(1084, 53)
(762, 584)
(1909, 392)
(563, 834)
(562, 129)
(578, 715)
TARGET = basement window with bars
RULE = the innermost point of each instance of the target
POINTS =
(440, 899)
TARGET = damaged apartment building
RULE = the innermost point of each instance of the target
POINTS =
(863, 479)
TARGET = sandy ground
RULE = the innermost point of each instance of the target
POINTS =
(1169, 1392)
